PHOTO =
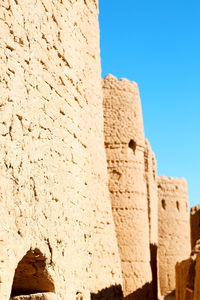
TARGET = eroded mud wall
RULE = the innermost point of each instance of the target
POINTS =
(173, 229)
(152, 197)
(52, 160)
(183, 291)
(187, 278)
(124, 142)
(195, 225)
(152, 201)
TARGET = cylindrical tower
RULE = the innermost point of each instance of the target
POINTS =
(173, 229)
(124, 142)
(54, 197)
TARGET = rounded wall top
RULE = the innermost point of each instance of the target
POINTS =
(123, 122)
(122, 83)
(180, 181)
(173, 197)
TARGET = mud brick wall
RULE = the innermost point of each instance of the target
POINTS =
(173, 229)
(124, 142)
(152, 201)
(56, 222)
(195, 224)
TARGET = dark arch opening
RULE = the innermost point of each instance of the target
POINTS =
(177, 205)
(31, 276)
(132, 144)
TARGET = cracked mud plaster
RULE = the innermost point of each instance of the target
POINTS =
(53, 188)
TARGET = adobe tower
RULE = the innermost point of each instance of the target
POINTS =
(173, 229)
(57, 232)
(125, 143)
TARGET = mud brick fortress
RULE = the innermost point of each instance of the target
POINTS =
(83, 214)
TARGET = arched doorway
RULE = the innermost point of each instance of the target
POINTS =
(31, 275)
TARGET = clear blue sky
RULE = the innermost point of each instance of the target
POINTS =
(157, 44)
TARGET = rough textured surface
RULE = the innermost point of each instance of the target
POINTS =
(197, 279)
(187, 276)
(39, 296)
(152, 197)
(57, 237)
(173, 229)
(195, 224)
(152, 201)
(182, 270)
(52, 163)
(124, 142)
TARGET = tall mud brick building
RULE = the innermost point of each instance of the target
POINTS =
(57, 231)
(80, 210)
(174, 229)
(125, 144)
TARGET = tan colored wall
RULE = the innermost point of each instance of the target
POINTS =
(124, 142)
(197, 279)
(152, 201)
(152, 195)
(195, 224)
(173, 229)
(182, 271)
(188, 277)
(52, 160)
(39, 296)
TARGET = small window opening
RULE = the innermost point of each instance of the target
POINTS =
(163, 204)
(132, 144)
(31, 275)
(177, 205)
